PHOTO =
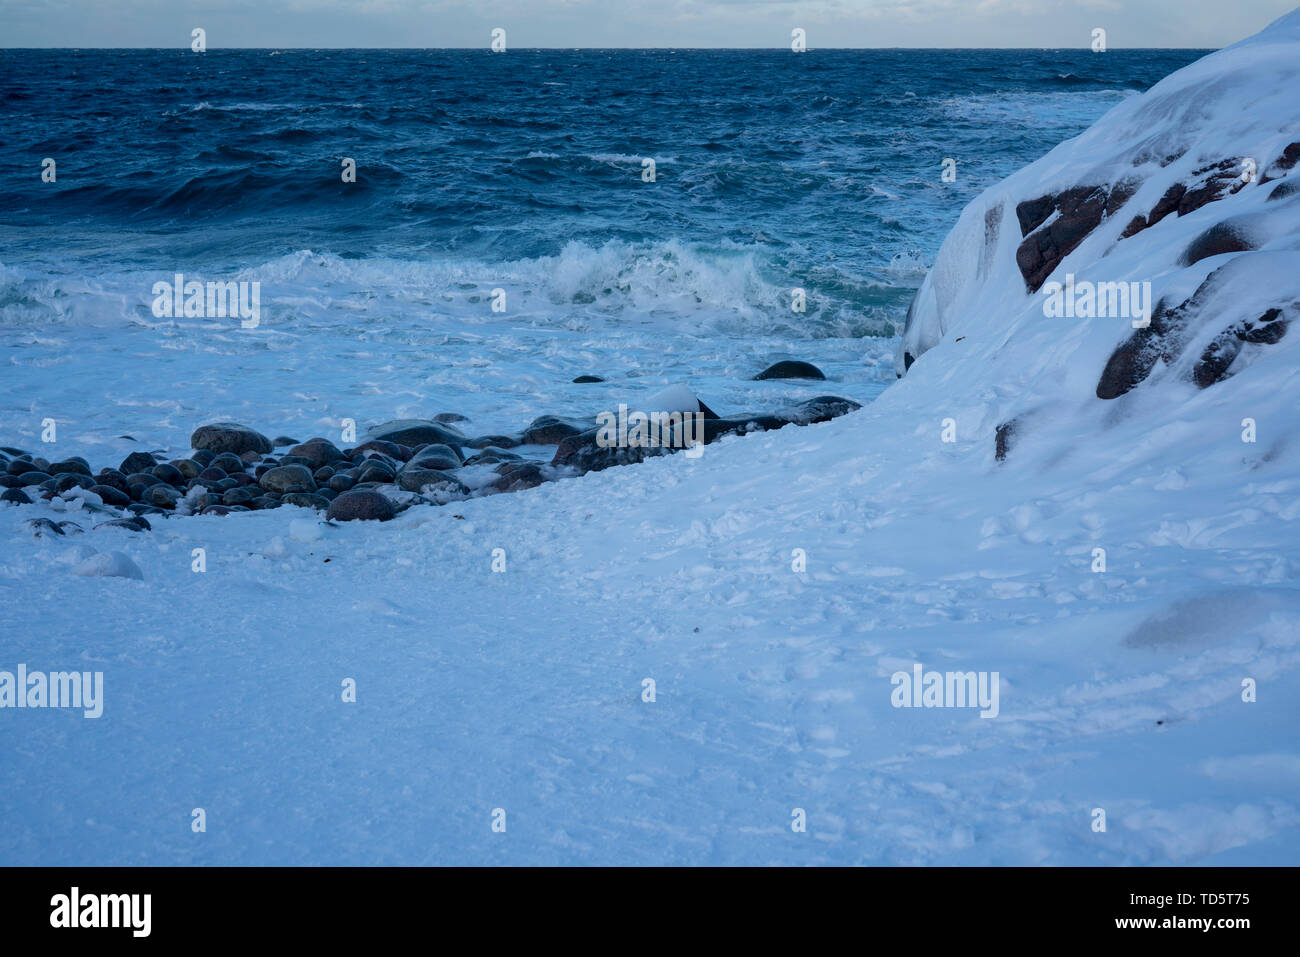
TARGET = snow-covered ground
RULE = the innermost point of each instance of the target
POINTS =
(770, 588)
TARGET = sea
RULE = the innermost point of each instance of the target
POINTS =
(464, 231)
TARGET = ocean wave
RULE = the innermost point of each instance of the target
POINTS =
(678, 287)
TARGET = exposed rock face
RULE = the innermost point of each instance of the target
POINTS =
(1074, 214)
(1220, 354)
(1002, 440)
(229, 437)
(1283, 164)
(1175, 324)
(1215, 241)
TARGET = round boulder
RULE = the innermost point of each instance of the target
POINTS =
(360, 505)
(229, 437)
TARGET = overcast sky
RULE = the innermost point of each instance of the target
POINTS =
(633, 23)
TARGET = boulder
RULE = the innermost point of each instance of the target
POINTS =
(287, 478)
(413, 432)
(360, 505)
(229, 437)
(790, 369)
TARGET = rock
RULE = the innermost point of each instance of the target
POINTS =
(1048, 240)
(214, 474)
(439, 457)
(549, 430)
(43, 527)
(15, 496)
(317, 452)
(519, 477)
(790, 369)
(110, 495)
(169, 474)
(1279, 167)
(1219, 355)
(1288, 187)
(280, 441)
(677, 398)
(413, 432)
(33, 478)
(1215, 241)
(136, 523)
(19, 466)
(584, 453)
(584, 379)
(161, 496)
(287, 478)
(821, 409)
(237, 496)
(228, 462)
(109, 565)
(376, 470)
(187, 467)
(305, 500)
(341, 482)
(203, 458)
(1171, 328)
(450, 417)
(491, 455)
(72, 480)
(114, 479)
(1002, 441)
(393, 450)
(500, 441)
(229, 437)
(73, 466)
(137, 462)
(360, 505)
(417, 480)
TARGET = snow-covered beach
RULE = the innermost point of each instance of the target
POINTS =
(666, 662)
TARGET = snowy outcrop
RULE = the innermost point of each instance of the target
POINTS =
(1179, 210)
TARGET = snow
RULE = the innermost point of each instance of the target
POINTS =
(770, 588)
(108, 565)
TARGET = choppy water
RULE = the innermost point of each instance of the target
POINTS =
(477, 171)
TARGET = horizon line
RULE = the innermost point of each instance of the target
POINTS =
(185, 49)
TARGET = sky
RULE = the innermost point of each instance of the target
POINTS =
(633, 23)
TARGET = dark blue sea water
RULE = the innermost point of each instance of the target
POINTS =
(520, 171)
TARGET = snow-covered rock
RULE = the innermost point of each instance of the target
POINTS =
(1188, 191)
(109, 565)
